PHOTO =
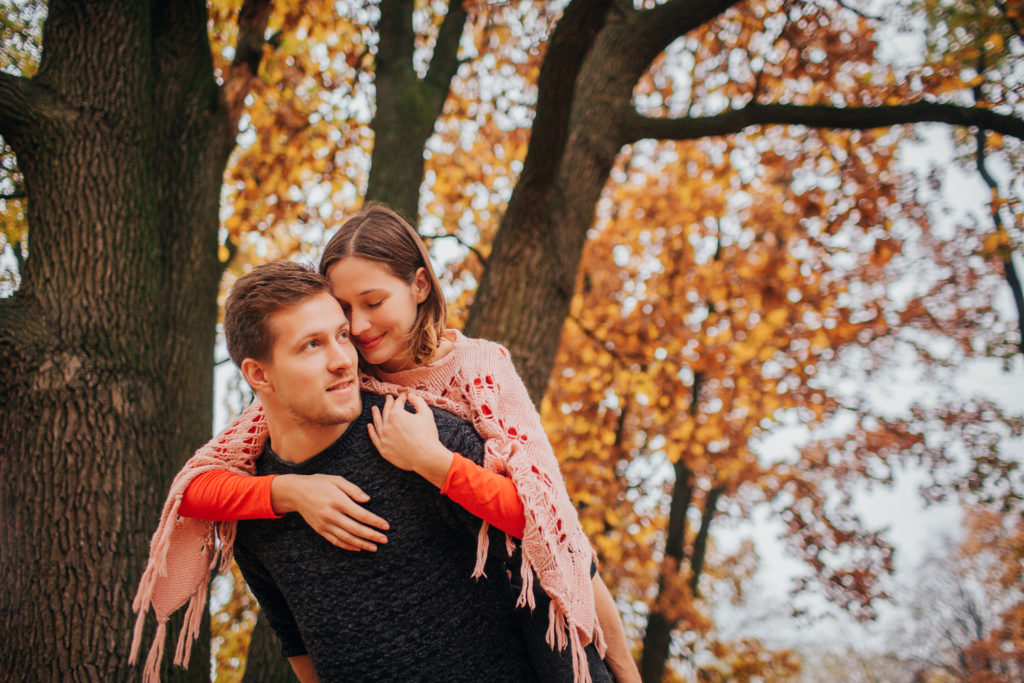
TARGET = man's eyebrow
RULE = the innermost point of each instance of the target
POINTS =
(307, 336)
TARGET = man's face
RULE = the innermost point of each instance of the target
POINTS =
(313, 372)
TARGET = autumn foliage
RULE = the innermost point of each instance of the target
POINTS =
(732, 286)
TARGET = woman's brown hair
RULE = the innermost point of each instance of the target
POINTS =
(378, 233)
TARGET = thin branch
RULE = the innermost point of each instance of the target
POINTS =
(1010, 20)
(462, 243)
(252, 24)
(17, 193)
(818, 116)
(24, 105)
(18, 249)
(860, 13)
(1009, 268)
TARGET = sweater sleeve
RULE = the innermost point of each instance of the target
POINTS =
(222, 495)
(487, 495)
(272, 602)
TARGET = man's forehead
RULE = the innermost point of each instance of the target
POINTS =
(310, 316)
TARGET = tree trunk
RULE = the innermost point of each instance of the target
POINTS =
(658, 634)
(408, 106)
(597, 53)
(106, 349)
(264, 662)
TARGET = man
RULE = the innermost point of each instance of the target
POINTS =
(409, 611)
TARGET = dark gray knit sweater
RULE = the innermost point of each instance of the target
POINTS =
(408, 612)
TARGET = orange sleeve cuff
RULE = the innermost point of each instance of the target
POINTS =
(486, 494)
(223, 495)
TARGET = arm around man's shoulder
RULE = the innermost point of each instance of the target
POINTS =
(458, 435)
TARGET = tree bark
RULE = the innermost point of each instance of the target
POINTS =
(408, 106)
(658, 633)
(106, 350)
(597, 53)
(264, 662)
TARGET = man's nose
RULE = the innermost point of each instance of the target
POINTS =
(341, 356)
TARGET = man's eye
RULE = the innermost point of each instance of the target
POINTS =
(343, 335)
(312, 344)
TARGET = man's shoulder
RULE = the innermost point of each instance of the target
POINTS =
(449, 420)
(458, 435)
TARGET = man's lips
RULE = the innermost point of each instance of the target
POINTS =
(342, 386)
(370, 342)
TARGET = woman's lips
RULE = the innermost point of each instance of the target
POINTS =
(367, 344)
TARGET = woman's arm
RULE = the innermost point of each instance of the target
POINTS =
(220, 492)
(488, 495)
(617, 656)
(326, 502)
(223, 495)
(409, 441)
(302, 665)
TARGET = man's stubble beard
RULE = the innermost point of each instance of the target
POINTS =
(324, 417)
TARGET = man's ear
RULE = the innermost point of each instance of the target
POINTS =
(255, 373)
(421, 285)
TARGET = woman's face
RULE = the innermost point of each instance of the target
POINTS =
(381, 309)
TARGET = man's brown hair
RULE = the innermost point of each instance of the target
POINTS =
(258, 295)
(378, 233)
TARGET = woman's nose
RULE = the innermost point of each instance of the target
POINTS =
(358, 322)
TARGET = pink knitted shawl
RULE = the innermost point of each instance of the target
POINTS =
(475, 381)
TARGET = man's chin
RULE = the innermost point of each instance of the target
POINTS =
(331, 416)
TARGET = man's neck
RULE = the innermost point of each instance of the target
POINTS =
(296, 443)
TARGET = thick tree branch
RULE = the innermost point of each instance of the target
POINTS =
(252, 25)
(570, 42)
(25, 104)
(682, 497)
(396, 36)
(445, 61)
(660, 25)
(735, 120)
(700, 544)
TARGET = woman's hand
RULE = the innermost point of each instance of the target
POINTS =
(329, 505)
(409, 441)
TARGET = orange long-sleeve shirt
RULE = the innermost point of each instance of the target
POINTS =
(222, 495)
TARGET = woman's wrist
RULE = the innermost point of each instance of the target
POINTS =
(283, 493)
(435, 463)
